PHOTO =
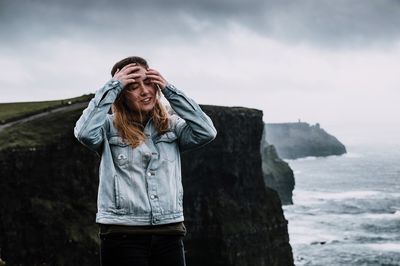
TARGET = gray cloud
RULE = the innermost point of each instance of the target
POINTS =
(321, 22)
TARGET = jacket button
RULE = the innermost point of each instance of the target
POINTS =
(148, 174)
(121, 157)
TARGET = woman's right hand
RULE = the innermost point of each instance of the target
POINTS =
(127, 74)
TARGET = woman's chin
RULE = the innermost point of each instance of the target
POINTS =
(146, 108)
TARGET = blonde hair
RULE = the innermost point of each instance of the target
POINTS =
(129, 122)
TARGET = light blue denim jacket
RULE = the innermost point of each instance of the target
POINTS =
(142, 185)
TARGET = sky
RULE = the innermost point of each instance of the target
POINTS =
(331, 62)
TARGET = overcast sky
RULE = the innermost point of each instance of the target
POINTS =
(332, 62)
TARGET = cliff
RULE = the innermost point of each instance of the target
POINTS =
(49, 185)
(277, 173)
(295, 140)
(232, 216)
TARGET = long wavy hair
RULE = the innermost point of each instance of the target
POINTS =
(128, 122)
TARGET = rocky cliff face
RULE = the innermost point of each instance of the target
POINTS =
(295, 140)
(277, 174)
(48, 197)
(232, 216)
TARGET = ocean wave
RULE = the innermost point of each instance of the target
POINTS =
(370, 238)
(374, 203)
(304, 195)
(305, 235)
(346, 209)
(352, 155)
(360, 194)
(394, 246)
(389, 215)
(308, 158)
(387, 227)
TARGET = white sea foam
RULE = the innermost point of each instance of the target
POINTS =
(304, 195)
(352, 155)
(394, 246)
(303, 233)
(350, 202)
(309, 230)
(395, 215)
(308, 158)
(360, 194)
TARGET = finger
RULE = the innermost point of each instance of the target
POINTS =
(154, 77)
(158, 81)
(152, 71)
(128, 68)
(134, 75)
(128, 65)
(132, 69)
(128, 82)
(160, 85)
(131, 80)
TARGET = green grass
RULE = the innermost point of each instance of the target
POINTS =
(14, 111)
(50, 129)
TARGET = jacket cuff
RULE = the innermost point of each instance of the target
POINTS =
(109, 92)
(169, 90)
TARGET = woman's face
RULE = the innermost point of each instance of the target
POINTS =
(141, 96)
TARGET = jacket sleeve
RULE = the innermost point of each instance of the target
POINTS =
(193, 127)
(89, 128)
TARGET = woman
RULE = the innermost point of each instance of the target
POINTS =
(140, 210)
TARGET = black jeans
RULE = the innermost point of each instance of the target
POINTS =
(138, 250)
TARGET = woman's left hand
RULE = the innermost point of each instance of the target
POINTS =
(156, 78)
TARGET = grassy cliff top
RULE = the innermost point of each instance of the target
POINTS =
(14, 111)
(50, 128)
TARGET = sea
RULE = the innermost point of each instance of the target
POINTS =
(346, 208)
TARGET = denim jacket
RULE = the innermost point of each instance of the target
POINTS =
(142, 185)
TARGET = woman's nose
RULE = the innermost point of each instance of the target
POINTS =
(144, 89)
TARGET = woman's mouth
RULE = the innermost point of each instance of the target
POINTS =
(146, 100)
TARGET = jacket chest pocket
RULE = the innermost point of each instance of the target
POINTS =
(119, 150)
(167, 146)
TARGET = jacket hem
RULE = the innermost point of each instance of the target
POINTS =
(126, 219)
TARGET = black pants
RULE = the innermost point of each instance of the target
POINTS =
(138, 250)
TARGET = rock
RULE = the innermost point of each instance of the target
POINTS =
(277, 173)
(49, 189)
(296, 140)
(232, 217)
(318, 243)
